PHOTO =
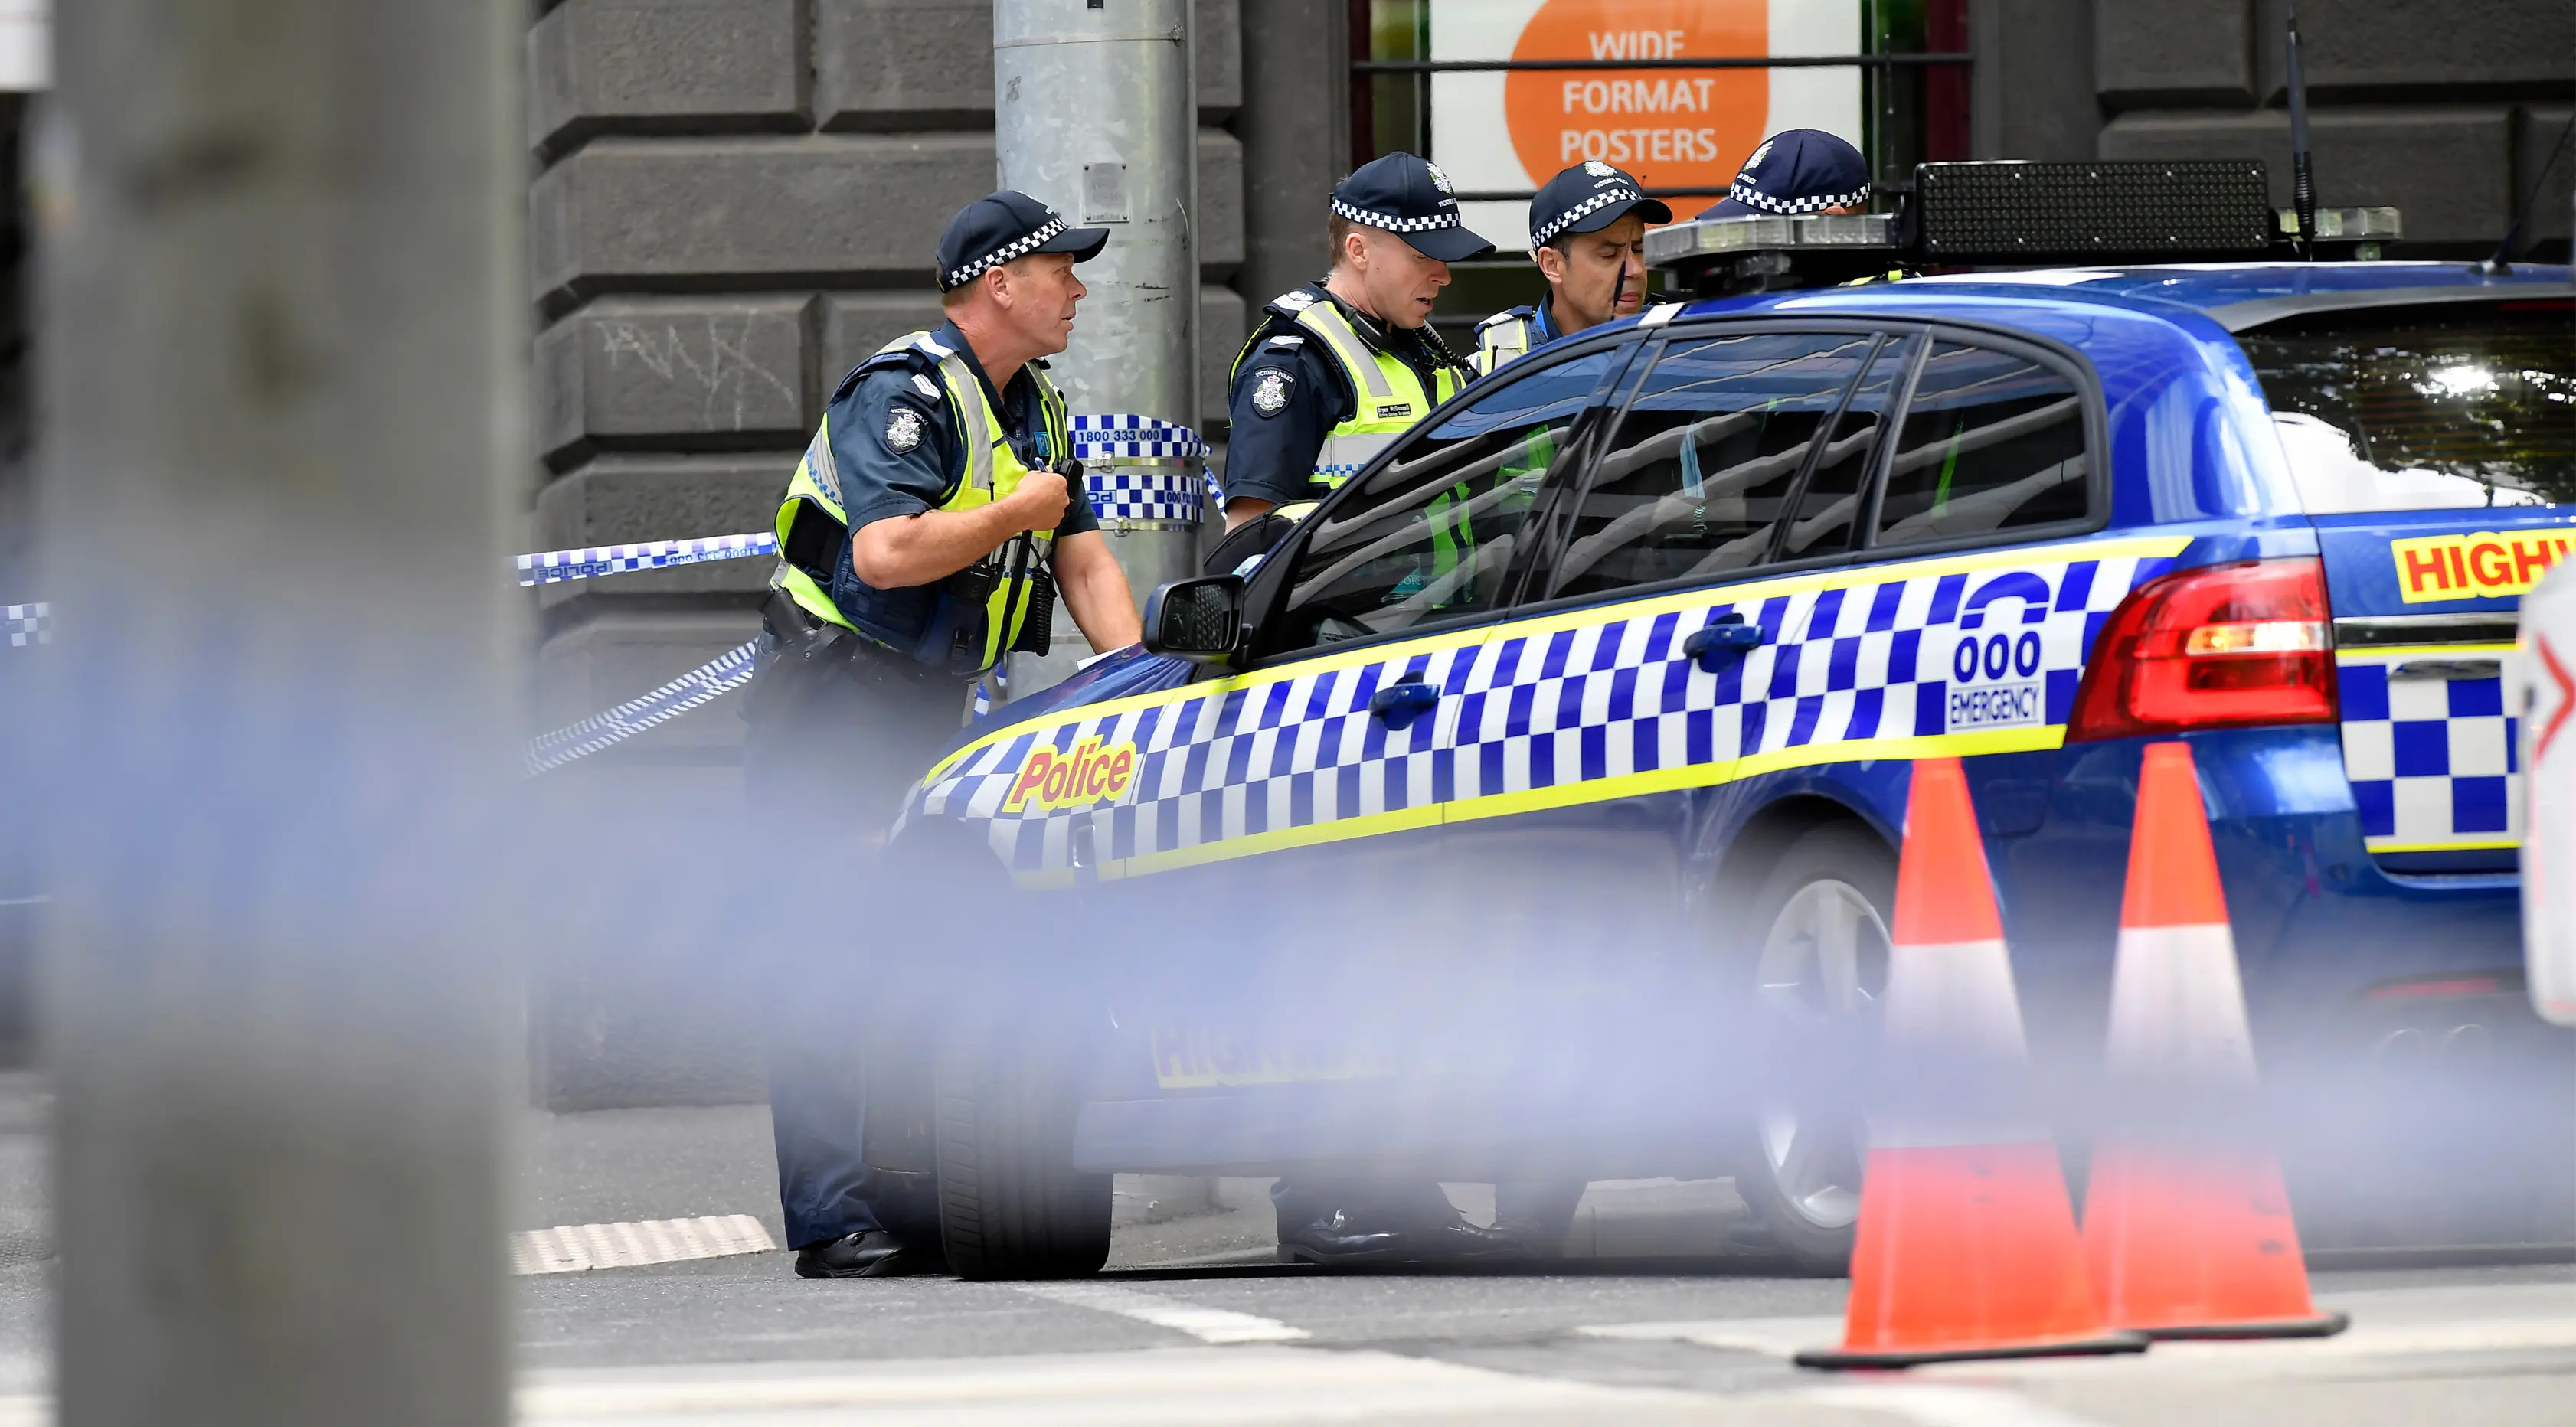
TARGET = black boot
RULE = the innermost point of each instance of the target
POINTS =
(1335, 1237)
(870, 1253)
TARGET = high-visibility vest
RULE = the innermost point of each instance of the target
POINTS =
(1505, 337)
(813, 525)
(1388, 396)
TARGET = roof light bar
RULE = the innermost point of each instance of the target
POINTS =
(1719, 236)
(2349, 225)
(2015, 214)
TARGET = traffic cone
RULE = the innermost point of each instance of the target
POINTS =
(1967, 1245)
(2187, 1228)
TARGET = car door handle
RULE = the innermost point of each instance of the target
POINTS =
(1729, 638)
(1402, 702)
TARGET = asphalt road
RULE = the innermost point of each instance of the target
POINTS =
(1666, 1316)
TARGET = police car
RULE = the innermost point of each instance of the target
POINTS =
(1533, 806)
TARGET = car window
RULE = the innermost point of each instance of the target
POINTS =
(1694, 480)
(2425, 408)
(1434, 533)
(1992, 440)
(1829, 505)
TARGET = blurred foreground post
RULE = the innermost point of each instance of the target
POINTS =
(282, 349)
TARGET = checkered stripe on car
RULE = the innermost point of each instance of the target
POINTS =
(1848, 668)
(1870, 661)
(2431, 752)
(1223, 763)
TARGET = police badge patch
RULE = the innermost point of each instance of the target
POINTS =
(1270, 391)
(903, 430)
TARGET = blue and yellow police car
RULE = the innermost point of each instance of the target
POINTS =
(1532, 807)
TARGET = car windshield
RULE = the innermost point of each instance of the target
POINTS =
(2425, 408)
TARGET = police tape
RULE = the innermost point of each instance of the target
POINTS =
(1137, 437)
(702, 685)
(1142, 495)
(27, 624)
(553, 566)
(1128, 495)
(1115, 494)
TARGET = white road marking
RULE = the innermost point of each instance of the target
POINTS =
(1779, 1337)
(578, 1248)
(1185, 1387)
(1943, 1406)
(1208, 1325)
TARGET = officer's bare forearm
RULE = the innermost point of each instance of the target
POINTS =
(903, 551)
(1096, 591)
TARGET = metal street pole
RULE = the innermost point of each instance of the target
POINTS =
(282, 417)
(1094, 113)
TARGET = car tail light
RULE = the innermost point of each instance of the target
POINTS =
(2221, 647)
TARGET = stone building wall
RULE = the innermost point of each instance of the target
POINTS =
(2447, 111)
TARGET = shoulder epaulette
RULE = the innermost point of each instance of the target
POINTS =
(1509, 314)
(1288, 304)
(922, 365)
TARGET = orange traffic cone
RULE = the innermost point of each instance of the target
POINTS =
(1967, 1245)
(2189, 1233)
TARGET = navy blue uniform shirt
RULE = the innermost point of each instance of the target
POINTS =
(898, 452)
(1271, 455)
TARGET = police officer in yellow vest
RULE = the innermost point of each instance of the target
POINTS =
(1587, 231)
(1342, 366)
(922, 538)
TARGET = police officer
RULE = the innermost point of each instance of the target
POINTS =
(922, 538)
(1797, 171)
(1342, 366)
(1587, 231)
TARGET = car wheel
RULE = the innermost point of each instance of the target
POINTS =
(1816, 964)
(1011, 1204)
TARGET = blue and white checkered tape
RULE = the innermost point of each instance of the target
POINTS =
(1138, 437)
(1143, 495)
(1965, 655)
(704, 684)
(27, 624)
(552, 566)
(2430, 751)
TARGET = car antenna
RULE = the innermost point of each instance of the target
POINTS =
(2303, 184)
(2496, 264)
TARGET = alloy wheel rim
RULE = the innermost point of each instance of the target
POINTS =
(1822, 970)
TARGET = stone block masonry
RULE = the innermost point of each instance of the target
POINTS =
(2446, 111)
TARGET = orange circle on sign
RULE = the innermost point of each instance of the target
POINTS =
(1672, 128)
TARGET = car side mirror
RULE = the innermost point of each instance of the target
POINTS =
(1199, 619)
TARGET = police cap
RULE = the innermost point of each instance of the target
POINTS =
(1000, 227)
(1411, 198)
(1588, 198)
(1796, 171)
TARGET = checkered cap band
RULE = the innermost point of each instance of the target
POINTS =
(1392, 224)
(554, 566)
(1583, 210)
(27, 624)
(1016, 248)
(1752, 197)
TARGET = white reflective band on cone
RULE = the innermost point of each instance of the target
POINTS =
(2177, 1007)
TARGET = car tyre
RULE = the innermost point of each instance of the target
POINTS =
(1011, 1204)
(1812, 971)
